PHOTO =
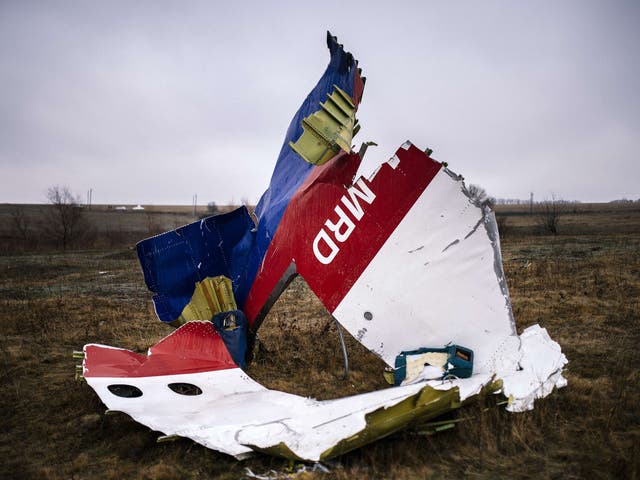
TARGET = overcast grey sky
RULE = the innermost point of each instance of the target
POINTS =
(153, 101)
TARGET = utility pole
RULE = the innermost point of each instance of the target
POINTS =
(531, 204)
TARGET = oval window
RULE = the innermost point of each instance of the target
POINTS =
(185, 389)
(125, 391)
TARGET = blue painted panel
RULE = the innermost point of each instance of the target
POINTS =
(291, 170)
(232, 327)
(174, 261)
(231, 244)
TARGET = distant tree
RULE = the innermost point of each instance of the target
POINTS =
(548, 214)
(504, 227)
(21, 223)
(153, 224)
(65, 221)
(479, 196)
(212, 208)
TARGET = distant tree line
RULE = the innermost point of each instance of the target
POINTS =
(520, 201)
(547, 213)
(625, 200)
(64, 223)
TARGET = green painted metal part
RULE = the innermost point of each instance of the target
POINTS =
(279, 450)
(78, 355)
(424, 405)
(328, 130)
(414, 411)
(431, 428)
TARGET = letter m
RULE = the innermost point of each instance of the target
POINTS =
(352, 203)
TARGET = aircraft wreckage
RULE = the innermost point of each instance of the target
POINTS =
(406, 260)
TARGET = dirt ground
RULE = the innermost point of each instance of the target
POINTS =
(583, 285)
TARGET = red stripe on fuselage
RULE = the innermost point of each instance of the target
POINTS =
(313, 205)
(195, 347)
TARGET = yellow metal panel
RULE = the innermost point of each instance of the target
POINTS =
(212, 295)
(328, 130)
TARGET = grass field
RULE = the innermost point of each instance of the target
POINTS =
(583, 285)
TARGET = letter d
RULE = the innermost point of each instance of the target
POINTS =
(334, 249)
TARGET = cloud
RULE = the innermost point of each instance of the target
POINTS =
(196, 98)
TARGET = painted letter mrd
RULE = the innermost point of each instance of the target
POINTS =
(338, 229)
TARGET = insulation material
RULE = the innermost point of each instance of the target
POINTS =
(425, 366)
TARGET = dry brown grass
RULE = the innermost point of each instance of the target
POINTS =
(299, 351)
(583, 286)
